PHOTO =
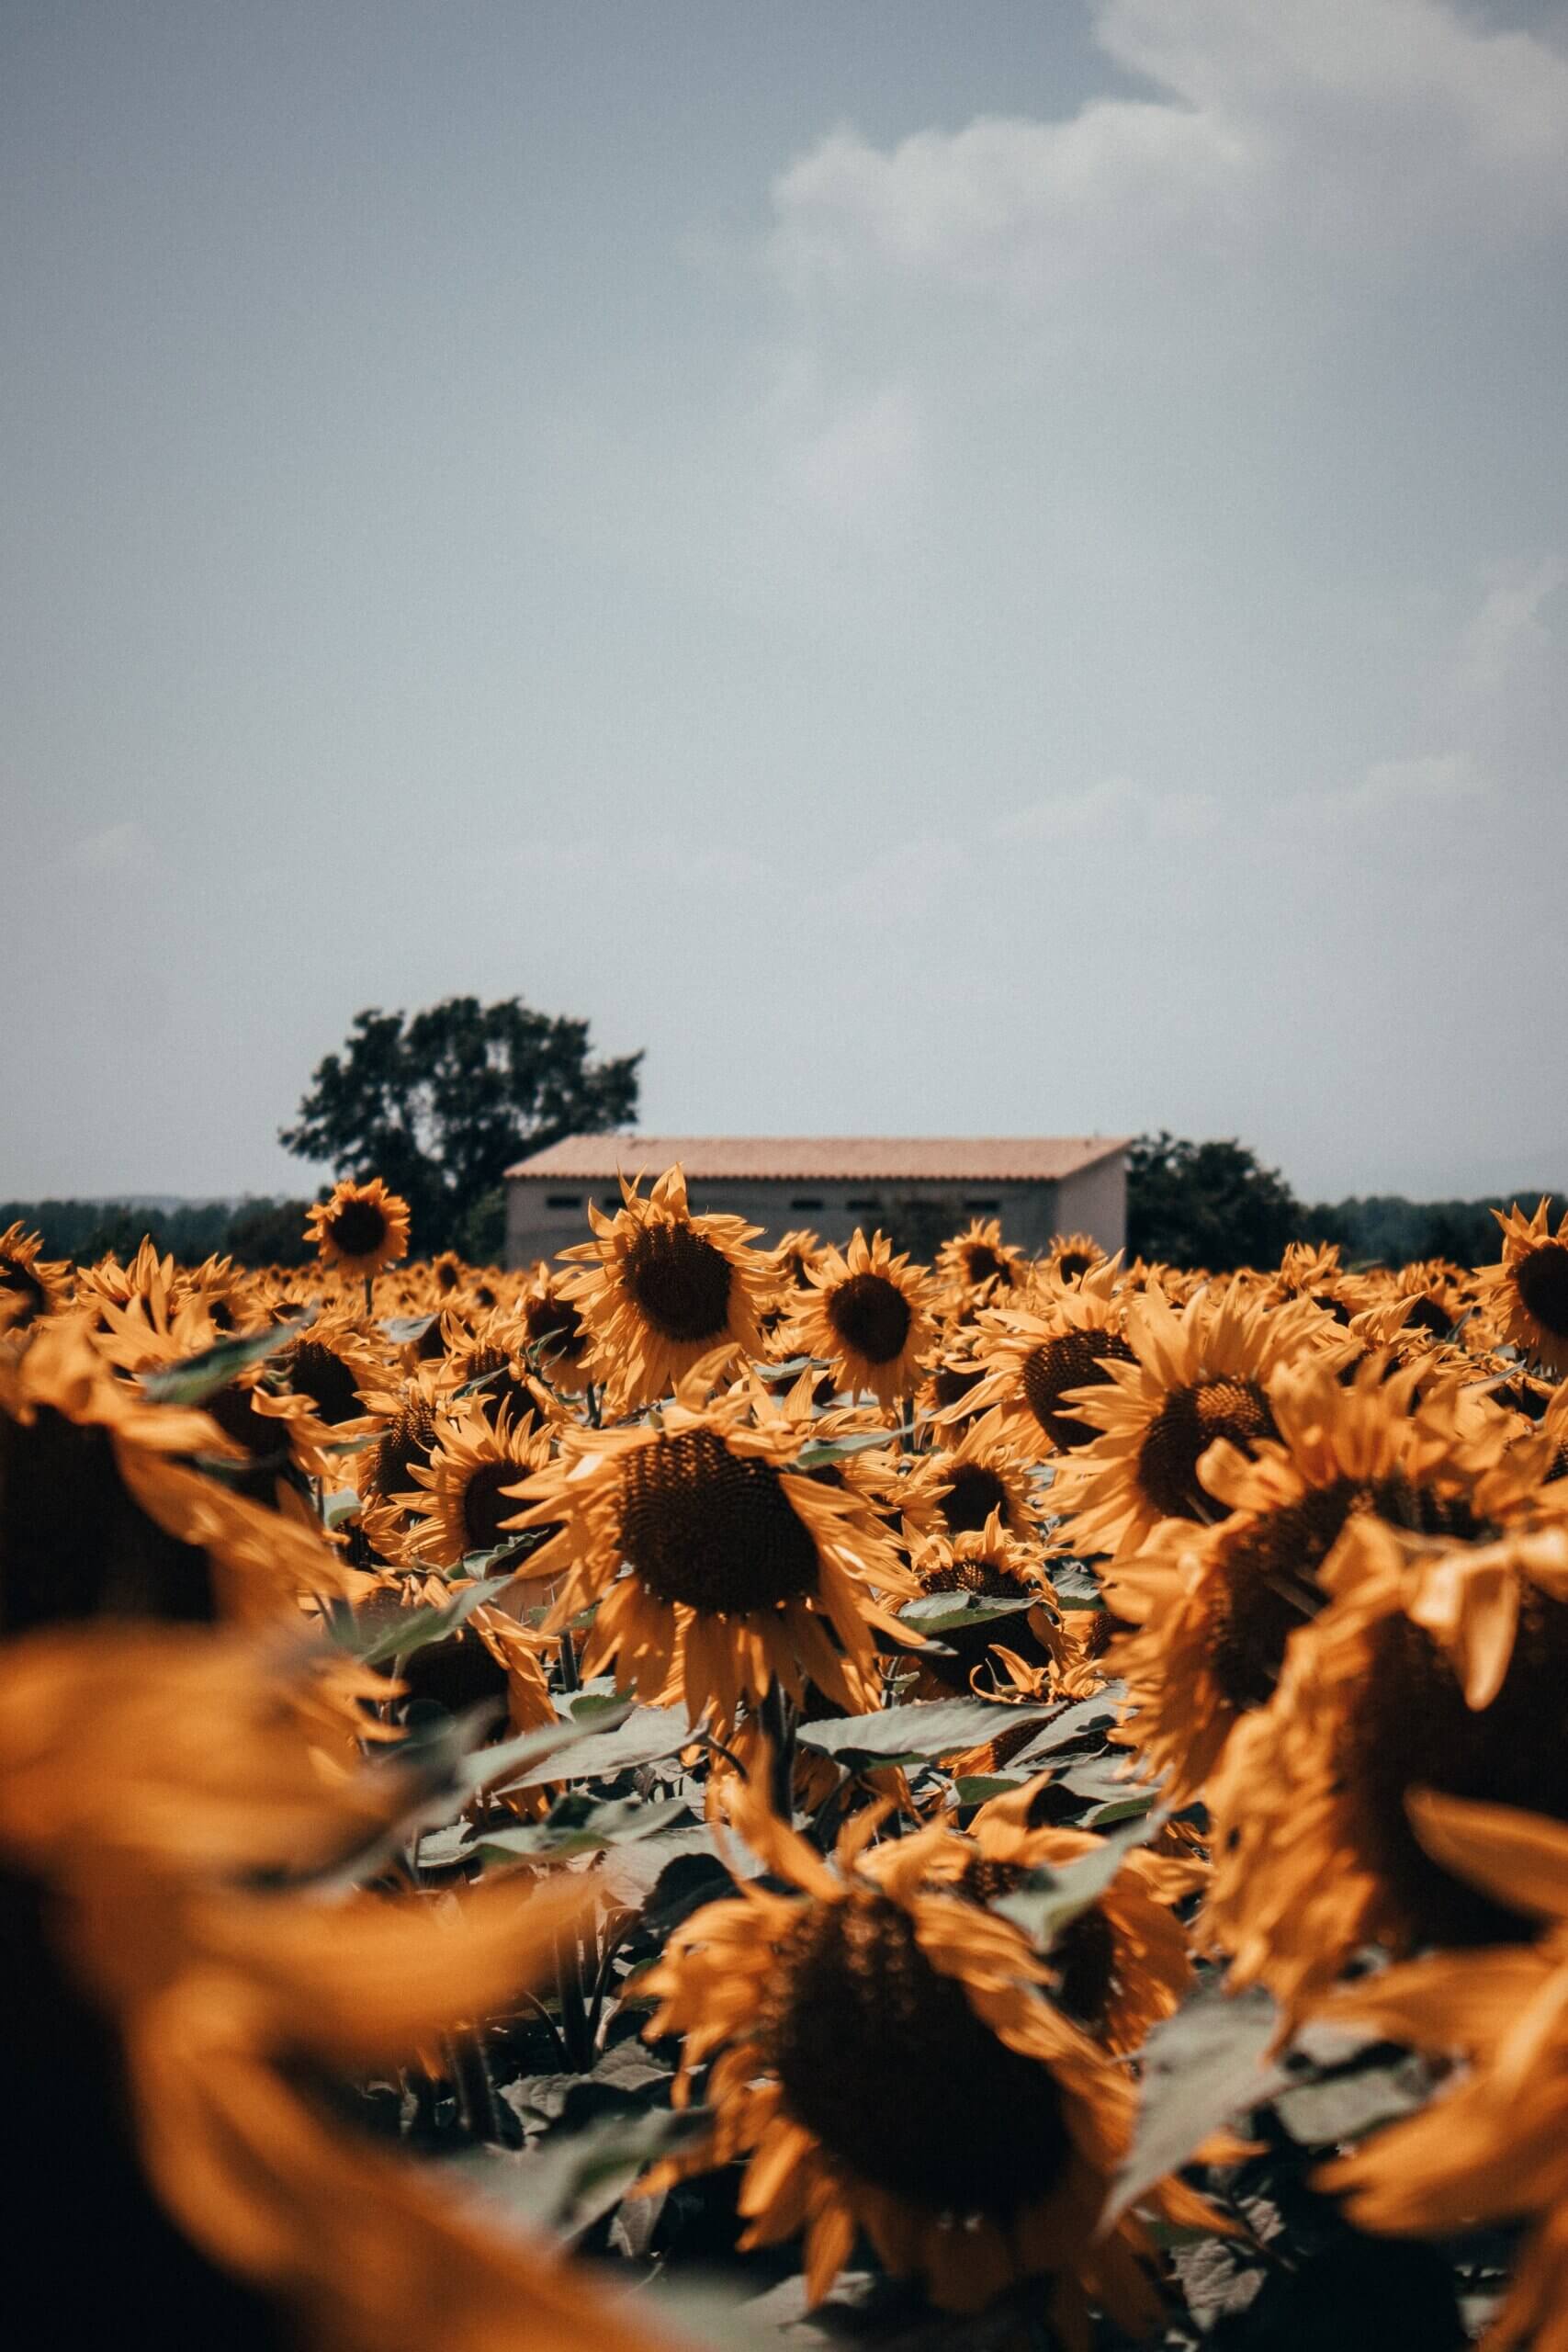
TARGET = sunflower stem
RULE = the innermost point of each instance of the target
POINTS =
(778, 1719)
(574, 2008)
(569, 1678)
(369, 1292)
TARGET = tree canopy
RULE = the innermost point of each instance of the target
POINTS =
(1206, 1203)
(439, 1103)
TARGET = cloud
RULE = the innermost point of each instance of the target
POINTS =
(1114, 807)
(118, 849)
(1508, 622)
(905, 883)
(1408, 789)
(861, 455)
(1378, 118)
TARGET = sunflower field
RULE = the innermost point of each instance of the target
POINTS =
(716, 1795)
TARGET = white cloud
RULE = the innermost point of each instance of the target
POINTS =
(1508, 622)
(1114, 807)
(1408, 788)
(859, 457)
(904, 883)
(118, 849)
(1376, 117)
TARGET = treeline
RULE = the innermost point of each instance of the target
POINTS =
(253, 1232)
(1216, 1205)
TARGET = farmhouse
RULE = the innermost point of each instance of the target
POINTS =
(918, 1188)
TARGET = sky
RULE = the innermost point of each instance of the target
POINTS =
(974, 569)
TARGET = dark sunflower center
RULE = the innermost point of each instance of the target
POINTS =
(974, 1493)
(870, 1316)
(1185, 1426)
(410, 1437)
(555, 1327)
(1409, 1728)
(448, 1273)
(1541, 1281)
(1074, 1264)
(680, 1283)
(357, 1227)
(1085, 1954)
(447, 1677)
(949, 1383)
(882, 2059)
(713, 1528)
(17, 1276)
(73, 1543)
(987, 1578)
(484, 1505)
(1430, 1314)
(1072, 1359)
(981, 1263)
(320, 1374)
(1252, 1617)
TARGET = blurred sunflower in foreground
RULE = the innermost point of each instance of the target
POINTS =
(1529, 1290)
(1491, 2147)
(180, 1997)
(1435, 1667)
(886, 2057)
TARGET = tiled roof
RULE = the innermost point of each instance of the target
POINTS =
(992, 1160)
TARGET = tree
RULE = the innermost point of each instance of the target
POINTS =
(441, 1103)
(1206, 1204)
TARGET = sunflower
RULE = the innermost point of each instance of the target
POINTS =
(867, 1315)
(740, 1568)
(274, 1429)
(1032, 1352)
(1211, 1609)
(151, 1785)
(1490, 2148)
(406, 1421)
(663, 1289)
(360, 1227)
(978, 1263)
(955, 1489)
(990, 1565)
(1528, 1291)
(470, 1483)
(1072, 1256)
(101, 1514)
(333, 1364)
(31, 1285)
(886, 2057)
(1197, 1374)
(1122, 1964)
(1442, 1667)
(554, 1336)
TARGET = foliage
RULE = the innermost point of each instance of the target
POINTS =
(1206, 1203)
(440, 1102)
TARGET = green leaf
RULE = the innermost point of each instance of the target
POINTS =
(1128, 1808)
(647, 1735)
(1069, 1726)
(572, 2178)
(1054, 1898)
(1200, 2067)
(824, 1450)
(921, 1732)
(944, 1612)
(576, 1826)
(979, 1788)
(416, 1627)
(342, 1504)
(196, 1377)
(403, 1331)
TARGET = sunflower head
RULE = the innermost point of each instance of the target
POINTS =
(662, 1288)
(359, 1228)
(30, 1285)
(1529, 1289)
(867, 1313)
